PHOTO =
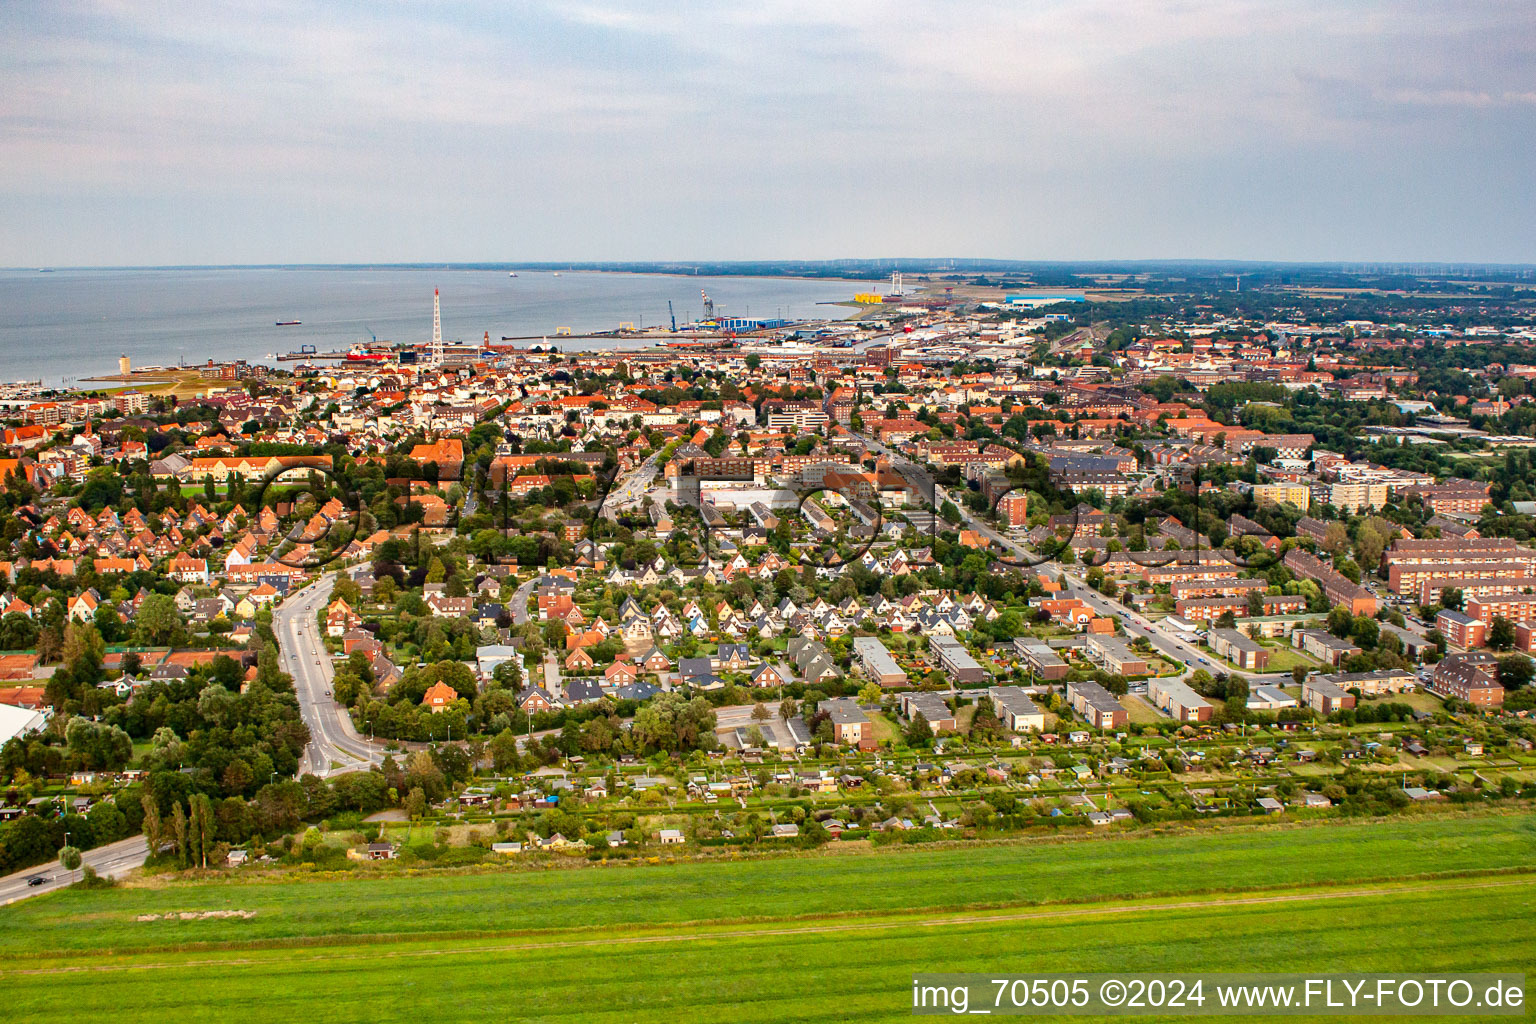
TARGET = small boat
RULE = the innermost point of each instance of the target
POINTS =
(512, 273)
(289, 323)
(557, 273)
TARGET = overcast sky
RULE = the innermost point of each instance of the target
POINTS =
(135, 132)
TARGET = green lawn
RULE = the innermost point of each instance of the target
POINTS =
(824, 969)
(831, 938)
(1140, 711)
(1123, 865)
(1283, 658)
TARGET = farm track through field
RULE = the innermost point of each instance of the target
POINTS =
(887, 921)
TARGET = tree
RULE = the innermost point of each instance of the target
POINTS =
(1366, 632)
(760, 712)
(503, 750)
(1450, 598)
(1515, 671)
(985, 725)
(416, 803)
(1336, 539)
(919, 733)
(1501, 633)
(870, 693)
(152, 827)
(1299, 674)
(200, 829)
(157, 623)
(69, 858)
(788, 708)
(181, 832)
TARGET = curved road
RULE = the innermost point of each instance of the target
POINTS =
(114, 859)
(334, 744)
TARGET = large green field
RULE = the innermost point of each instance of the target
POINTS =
(834, 937)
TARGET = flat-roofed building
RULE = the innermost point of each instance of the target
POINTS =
(850, 725)
(877, 661)
(1374, 684)
(1239, 649)
(955, 661)
(1270, 698)
(1325, 697)
(1116, 655)
(1182, 703)
(1299, 495)
(1039, 658)
(932, 707)
(1323, 645)
(1018, 711)
(1097, 705)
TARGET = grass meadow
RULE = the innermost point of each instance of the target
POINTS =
(833, 938)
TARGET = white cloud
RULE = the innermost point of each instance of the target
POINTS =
(991, 121)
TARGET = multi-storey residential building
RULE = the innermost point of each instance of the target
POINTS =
(877, 661)
(1335, 586)
(1097, 705)
(1326, 697)
(1239, 649)
(955, 661)
(1472, 677)
(1514, 607)
(1299, 495)
(1412, 579)
(1018, 712)
(1461, 629)
(1182, 703)
(1348, 496)
(1323, 645)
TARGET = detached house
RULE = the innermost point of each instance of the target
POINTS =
(339, 618)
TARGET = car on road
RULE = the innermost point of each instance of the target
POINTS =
(1204, 662)
(36, 880)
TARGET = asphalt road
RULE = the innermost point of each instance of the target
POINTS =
(114, 859)
(632, 488)
(519, 601)
(334, 745)
(1135, 625)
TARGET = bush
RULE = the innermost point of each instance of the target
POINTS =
(91, 880)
